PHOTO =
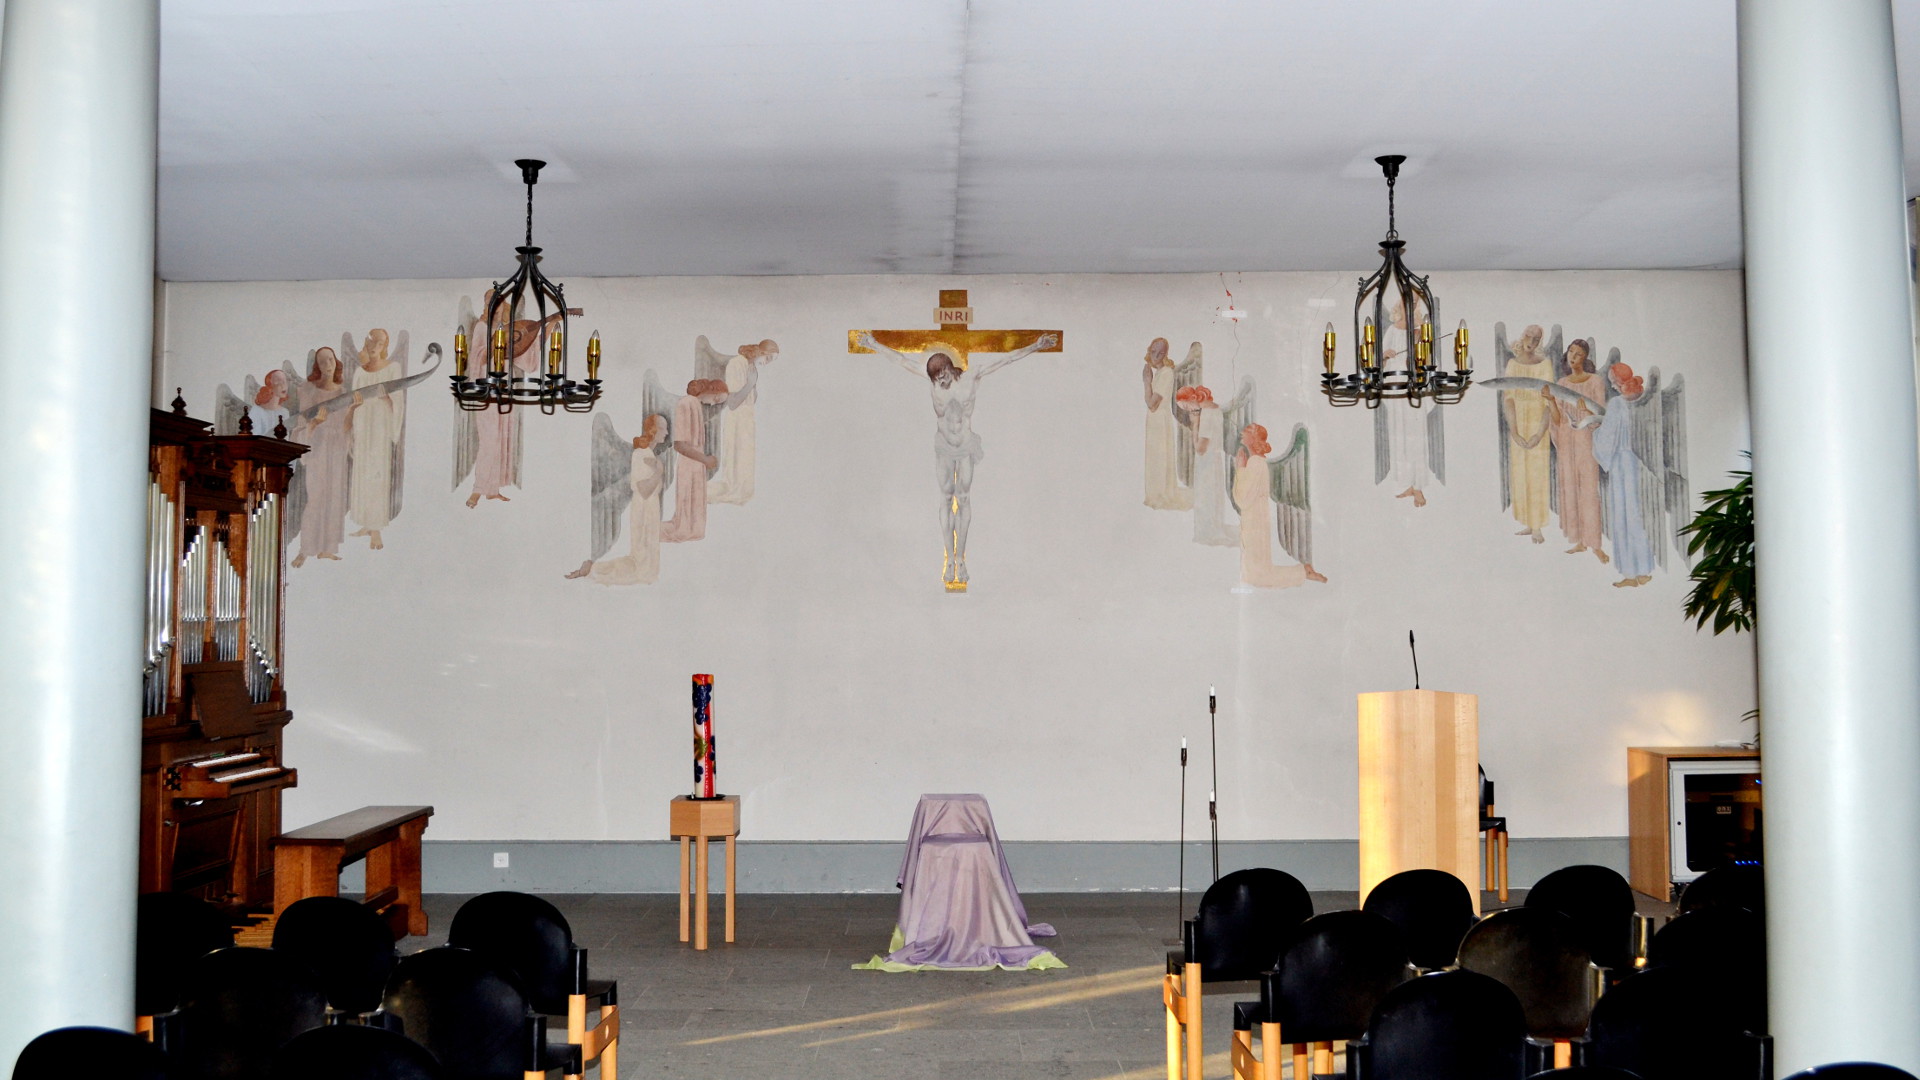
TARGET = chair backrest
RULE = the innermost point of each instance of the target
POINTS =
(94, 1052)
(172, 930)
(1445, 1026)
(1853, 1071)
(1727, 948)
(344, 943)
(1727, 886)
(524, 934)
(1433, 910)
(465, 1008)
(1333, 973)
(238, 1007)
(1244, 919)
(1600, 903)
(1535, 953)
(355, 1052)
(1486, 792)
(1668, 1024)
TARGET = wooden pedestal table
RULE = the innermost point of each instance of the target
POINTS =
(696, 821)
(307, 862)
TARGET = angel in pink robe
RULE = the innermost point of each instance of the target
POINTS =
(1575, 470)
(690, 477)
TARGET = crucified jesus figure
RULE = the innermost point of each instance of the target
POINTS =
(955, 446)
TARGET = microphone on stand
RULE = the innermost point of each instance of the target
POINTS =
(1213, 800)
(1416, 660)
(1181, 912)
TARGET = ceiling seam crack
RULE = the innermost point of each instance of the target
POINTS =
(959, 137)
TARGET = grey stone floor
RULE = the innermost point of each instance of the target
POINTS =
(781, 1002)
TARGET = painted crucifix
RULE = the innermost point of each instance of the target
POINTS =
(955, 381)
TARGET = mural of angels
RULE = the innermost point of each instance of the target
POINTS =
(691, 434)
(486, 442)
(628, 479)
(733, 483)
(376, 426)
(321, 410)
(956, 448)
(263, 407)
(1641, 448)
(1616, 451)
(1273, 500)
(1409, 444)
(1164, 490)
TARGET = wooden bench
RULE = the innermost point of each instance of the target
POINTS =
(307, 862)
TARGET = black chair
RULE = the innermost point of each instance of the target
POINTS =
(1494, 827)
(1669, 1024)
(474, 1017)
(1726, 947)
(1324, 988)
(1600, 903)
(172, 930)
(1727, 886)
(1451, 1025)
(344, 943)
(529, 937)
(94, 1052)
(1536, 953)
(1244, 920)
(353, 1052)
(1433, 910)
(1853, 1071)
(238, 1007)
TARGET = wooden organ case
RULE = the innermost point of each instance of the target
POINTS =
(214, 702)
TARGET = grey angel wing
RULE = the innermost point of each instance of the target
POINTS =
(466, 447)
(1188, 372)
(656, 401)
(397, 449)
(1382, 443)
(228, 410)
(612, 476)
(1292, 505)
(1673, 452)
(1234, 417)
(1502, 356)
(708, 362)
(1556, 351)
(1648, 453)
(1437, 441)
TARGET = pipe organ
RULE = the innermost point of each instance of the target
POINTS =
(215, 705)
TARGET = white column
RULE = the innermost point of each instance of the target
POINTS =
(1837, 505)
(79, 85)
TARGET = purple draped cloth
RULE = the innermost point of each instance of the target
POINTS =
(958, 906)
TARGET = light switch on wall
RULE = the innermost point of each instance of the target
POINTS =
(499, 860)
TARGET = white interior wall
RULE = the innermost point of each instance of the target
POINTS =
(458, 668)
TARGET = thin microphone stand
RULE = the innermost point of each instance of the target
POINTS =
(1213, 796)
(1181, 911)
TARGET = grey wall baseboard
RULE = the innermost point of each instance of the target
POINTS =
(559, 866)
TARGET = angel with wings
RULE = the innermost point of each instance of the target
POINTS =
(263, 408)
(1262, 487)
(1576, 475)
(376, 425)
(486, 442)
(734, 434)
(1409, 444)
(1526, 453)
(1204, 446)
(321, 423)
(1640, 446)
(1164, 489)
(628, 478)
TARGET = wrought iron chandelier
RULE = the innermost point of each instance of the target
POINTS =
(500, 385)
(1421, 378)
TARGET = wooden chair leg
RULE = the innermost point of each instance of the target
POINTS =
(610, 1061)
(1562, 1054)
(1240, 1060)
(1169, 1003)
(1196, 1041)
(1503, 866)
(1302, 1061)
(1322, 1058)
(1271, 1056)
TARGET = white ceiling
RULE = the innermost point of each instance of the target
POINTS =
(373, 138)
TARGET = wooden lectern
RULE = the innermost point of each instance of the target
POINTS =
(1419, 786)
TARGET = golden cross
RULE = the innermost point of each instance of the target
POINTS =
(954, 337)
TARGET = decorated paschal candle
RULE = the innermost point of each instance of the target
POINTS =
(703, 737)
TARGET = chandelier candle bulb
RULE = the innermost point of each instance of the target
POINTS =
(703, 754)
(460, 353)
(499, 363)
(1460, 347)
(553, 354)
(1366, 344)
(593, 356)
(1327, 347)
